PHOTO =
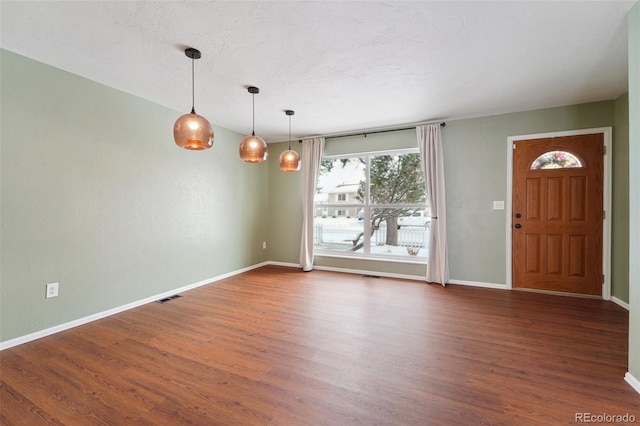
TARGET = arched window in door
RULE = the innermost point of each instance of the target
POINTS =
(556, 160)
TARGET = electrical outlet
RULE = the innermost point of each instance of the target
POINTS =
(51, 290)
(264, 245)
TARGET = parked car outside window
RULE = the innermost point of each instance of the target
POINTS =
(414, 219)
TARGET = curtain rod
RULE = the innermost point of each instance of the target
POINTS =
(371, 132)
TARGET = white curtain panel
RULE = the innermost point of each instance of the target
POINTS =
(312, 150)
(430, 143)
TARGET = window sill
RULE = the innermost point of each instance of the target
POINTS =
(394, 259)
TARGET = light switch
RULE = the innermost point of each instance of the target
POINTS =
(498, 205)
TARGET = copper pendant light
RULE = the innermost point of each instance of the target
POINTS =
(289, 159)
(253, 149)
(193, 131)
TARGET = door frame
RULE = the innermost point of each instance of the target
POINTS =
(606, 189)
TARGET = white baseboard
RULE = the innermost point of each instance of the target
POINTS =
(478, 284)
(80, 321)
(635, 383)
(374, 273)
(289, 265)
(620, 302)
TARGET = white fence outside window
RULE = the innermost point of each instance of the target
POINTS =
(334, 236)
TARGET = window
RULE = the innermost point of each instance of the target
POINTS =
(382, 210)
(556, 160)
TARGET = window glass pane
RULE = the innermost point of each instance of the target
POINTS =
(338, 207)
(556, 160)
(372, 205)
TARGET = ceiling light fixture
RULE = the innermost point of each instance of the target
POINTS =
(193, 131)
(253, 149)
(289, 159)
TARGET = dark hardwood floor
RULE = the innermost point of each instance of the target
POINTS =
(282, 347)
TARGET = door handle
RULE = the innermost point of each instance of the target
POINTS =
(518, 226)
(518, 215)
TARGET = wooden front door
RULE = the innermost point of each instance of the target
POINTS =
(557, 214)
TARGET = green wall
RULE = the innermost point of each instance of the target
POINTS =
(620, 201)
(285, 208)
(475, 156)
(96, 196)
(634, 185)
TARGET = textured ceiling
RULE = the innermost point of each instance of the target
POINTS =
(342, 66)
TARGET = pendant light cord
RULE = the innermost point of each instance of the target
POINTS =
(253, 115)
(289, 133)
(193, 87)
